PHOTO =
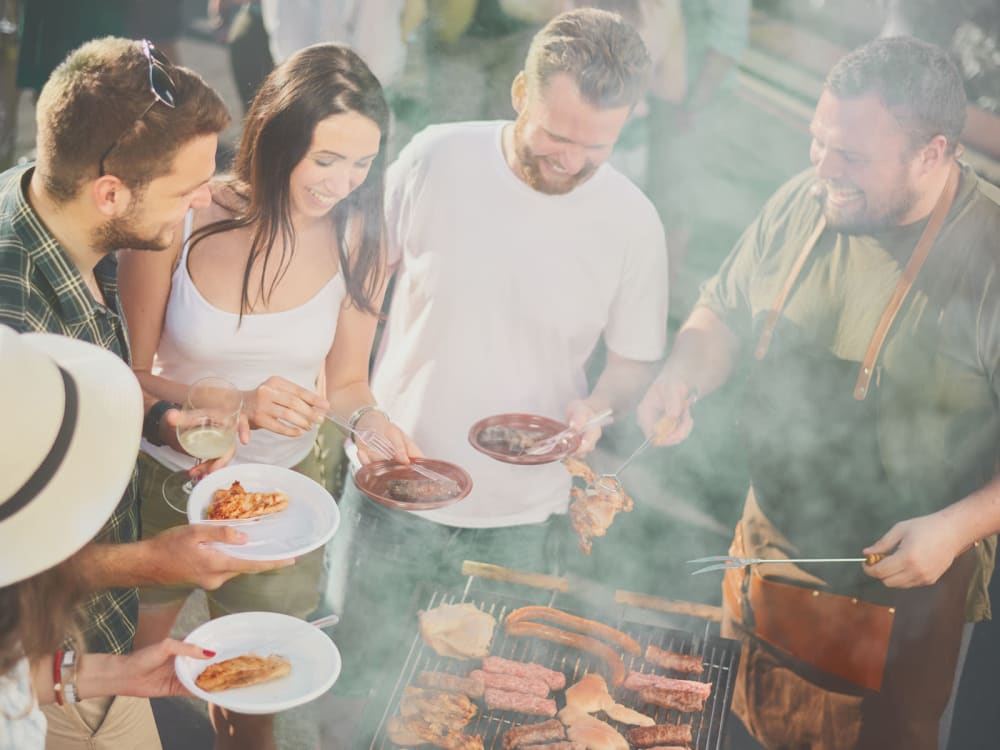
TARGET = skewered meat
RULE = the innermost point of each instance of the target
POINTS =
(503, 700)
(578, 468)
(453, 683)
(688, 664)
(410, 732)
(659, 734)
(530, 734)
(555, 680)
(591, 695)
(593, 510)
(450, 710)
(509, 439)
(461, 631)
(575, 640)
(579, 624)
(511, 683)
(639, 680)
(591, 732)
(420, 490)
(686, 703)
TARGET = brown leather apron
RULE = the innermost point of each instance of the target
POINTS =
(880, 660)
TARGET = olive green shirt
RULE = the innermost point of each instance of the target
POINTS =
(936, 391)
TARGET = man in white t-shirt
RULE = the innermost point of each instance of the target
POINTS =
(518, 248)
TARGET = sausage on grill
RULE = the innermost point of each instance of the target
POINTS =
(575, 640)
(659, 734)
(579, 624)
(555, 680)
(503, 700)
(532, 734)
(673, 661)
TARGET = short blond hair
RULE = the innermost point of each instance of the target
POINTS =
(604, 56)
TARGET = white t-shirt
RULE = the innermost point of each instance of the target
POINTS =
(501, 296)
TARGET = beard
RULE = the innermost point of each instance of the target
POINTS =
(531, 171)
(867, 213)
(121, 233)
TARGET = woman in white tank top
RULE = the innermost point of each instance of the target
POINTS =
(276, 287)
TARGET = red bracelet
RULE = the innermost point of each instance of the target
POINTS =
(57, 676)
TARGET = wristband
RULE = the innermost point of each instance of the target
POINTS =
(359, 413)
(151, 422)
(57, 676)
(67, 676)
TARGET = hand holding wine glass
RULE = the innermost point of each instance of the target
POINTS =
(206, 429)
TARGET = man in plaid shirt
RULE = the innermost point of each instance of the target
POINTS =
(126, 145)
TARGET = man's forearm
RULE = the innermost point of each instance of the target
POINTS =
(977, 516)
(704, 352)
(105, 566)
(621, 384)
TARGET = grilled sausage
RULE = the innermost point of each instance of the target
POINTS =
(579, 624)
(532, 734)
(659, 734)
(453, 683)
(686, 703)
(575, 640)
(673, 661)
(504, 700)
(639, 680)
(555, 680)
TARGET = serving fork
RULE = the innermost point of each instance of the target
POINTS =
(726, 562)
(381, 445)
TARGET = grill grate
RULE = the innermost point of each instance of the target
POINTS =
(720, 656)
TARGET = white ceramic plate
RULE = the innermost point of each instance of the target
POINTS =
(314, 657)
(308, 522)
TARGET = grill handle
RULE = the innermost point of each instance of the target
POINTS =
(557, 583)
(509, 575)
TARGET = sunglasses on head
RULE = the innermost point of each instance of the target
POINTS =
(161, 86)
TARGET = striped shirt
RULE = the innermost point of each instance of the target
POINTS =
(42, 290)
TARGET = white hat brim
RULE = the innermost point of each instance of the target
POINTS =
(89, 483)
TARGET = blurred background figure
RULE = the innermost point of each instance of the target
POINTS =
(159, 21)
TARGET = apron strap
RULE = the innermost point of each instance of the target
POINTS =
(774, 314)
(903, 286)
(920, 253)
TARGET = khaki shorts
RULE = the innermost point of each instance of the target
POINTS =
(291, 591)
(102, 724)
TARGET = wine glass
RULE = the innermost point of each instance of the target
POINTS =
(206, 429)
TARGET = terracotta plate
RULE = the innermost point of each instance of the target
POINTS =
(524, 423)
(374, 480)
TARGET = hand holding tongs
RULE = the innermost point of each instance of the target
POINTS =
(381, 445)
(725, 562)
(549, 443)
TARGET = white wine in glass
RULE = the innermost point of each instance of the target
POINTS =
(207, 430)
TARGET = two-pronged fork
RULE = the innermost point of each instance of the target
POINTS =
(381, 445)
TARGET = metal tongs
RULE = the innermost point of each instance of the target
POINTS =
(383, 447)
(726, 562)
(549, 443)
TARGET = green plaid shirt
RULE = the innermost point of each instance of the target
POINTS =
(42, 290)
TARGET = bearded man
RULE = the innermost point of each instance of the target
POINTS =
(126, 145)
(864, 299)
(518, 248)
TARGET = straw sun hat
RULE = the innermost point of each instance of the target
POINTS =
(71, 419)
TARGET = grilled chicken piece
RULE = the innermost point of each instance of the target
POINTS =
(580, 469)
(438, 707)
(592, 511)
(590, 695)
(461, 631)
(411, 732)
(592, 733)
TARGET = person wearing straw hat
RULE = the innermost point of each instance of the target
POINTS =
(126, 145)
(75, 412)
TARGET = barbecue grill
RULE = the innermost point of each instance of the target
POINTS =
(720, 657)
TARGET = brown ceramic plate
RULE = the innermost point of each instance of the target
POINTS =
(523, 423)
(375, 480)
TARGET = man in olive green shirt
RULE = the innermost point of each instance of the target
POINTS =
(869, 401)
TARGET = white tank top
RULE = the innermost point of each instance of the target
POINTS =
(200, 340)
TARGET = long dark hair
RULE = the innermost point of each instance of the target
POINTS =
(315, 83)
